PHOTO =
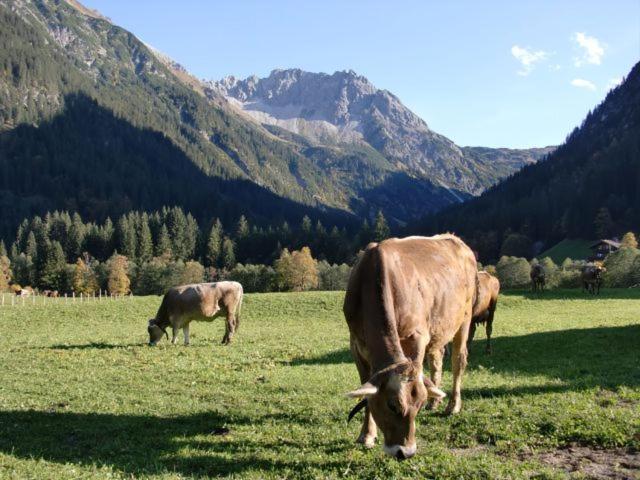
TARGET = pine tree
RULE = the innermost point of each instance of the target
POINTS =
(365, 236)
(380, 228)
(126, 236)
(75, 239)
(107, 235)
(163, 247)
(242, 230)
(118, 282)
(50, 266)
(144, 248)
(305, 226)
(32, 247)
(176, 222)
(214, 244)
(228, 253)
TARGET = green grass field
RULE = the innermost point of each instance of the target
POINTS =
(573, 249)
(82, 396)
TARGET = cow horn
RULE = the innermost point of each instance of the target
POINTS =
(432, 390)
(364, 390)
(359, 406)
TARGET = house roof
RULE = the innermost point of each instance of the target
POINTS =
(612, 243)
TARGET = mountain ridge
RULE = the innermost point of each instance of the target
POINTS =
(345, 107)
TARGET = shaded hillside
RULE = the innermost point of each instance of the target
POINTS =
(588, 188)
(87, 160)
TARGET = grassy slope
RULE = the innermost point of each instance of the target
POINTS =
(574, 249)
(82, 396)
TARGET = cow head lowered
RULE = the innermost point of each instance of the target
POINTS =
(394, 397)
(155, 332)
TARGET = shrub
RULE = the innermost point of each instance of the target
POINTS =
(333, 277)
(551, 271)
(619, 265)
(254, 278)
(513, 272)
(297, 271)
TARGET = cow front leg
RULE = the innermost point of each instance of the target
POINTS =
(435, 373)
(369, 431)
(459, 363)
(185, 332)
(174, 333)
(228, 330)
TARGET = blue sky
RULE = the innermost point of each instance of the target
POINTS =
(501, 73)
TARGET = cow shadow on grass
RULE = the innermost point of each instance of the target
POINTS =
(576, 294)
(575, 359)
(329, 358)
(95, 346)
(199, 445)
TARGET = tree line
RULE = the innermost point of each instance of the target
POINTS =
(148, 252)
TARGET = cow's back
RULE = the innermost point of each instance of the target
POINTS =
(418, 283)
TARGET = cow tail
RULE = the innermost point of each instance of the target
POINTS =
(239, 310)
(476, 290)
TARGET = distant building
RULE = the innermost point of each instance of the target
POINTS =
(602, 248)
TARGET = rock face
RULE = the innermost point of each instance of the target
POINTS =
(346, 108)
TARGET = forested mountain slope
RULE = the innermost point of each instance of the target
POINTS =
(589, 187)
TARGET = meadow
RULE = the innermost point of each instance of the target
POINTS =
(83, 396)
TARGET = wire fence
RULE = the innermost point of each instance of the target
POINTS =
(13, 300)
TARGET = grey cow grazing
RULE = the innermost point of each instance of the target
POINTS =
(200, 302)
(538, 278)
(591, 277)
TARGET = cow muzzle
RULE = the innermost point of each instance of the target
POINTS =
(400, 452)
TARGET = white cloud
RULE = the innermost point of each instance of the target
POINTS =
(527, 58)
(582, 83)
(592, 49)
(614, 82)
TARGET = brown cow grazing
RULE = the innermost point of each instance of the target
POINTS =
(407, 298)
(591, 277)
(485, 306)
(538, 278)
(200, 302)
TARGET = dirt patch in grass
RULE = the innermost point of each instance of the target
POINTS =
(616, 464)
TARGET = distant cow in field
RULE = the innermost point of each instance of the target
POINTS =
(485, 306)
(407, 298)
(200, 302)
(591, 278)
(538, 278)
(24, 292)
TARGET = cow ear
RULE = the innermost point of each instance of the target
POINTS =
(432, 390)
(364, 390)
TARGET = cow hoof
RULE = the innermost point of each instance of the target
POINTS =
(453, 408)
(433, 404)
(367, 441)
